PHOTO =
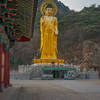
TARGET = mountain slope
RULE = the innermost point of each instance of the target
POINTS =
(23, 53)
(75, 28)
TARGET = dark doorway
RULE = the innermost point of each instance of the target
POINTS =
(55, 74)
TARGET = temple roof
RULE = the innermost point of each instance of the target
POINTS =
(26, 18)
(17, 19)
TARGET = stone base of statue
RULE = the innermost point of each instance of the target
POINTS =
(48, 61)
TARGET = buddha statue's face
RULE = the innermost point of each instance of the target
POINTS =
(49, 12)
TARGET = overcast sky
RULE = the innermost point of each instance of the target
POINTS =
(79, 4)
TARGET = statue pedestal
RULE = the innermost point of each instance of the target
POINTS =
(48, 61)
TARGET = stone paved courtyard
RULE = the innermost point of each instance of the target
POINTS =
(56, 90)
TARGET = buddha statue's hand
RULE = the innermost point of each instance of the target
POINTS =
(42, 19)
(56, 31)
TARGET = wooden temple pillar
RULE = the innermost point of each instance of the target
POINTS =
(6, 71)
(8, 68)
(1, 65)
(4, 67)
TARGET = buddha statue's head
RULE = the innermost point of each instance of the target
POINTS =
(49, 12)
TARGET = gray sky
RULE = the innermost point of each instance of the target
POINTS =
(79, 4)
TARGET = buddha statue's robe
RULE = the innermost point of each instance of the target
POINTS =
(49, 34)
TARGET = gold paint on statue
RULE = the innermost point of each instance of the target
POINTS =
(45, 4)
(49, 34)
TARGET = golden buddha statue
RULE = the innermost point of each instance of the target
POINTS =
(49, 34)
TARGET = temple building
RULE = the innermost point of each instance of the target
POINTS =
(16, 25)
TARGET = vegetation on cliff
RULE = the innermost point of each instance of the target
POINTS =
(74, 29)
